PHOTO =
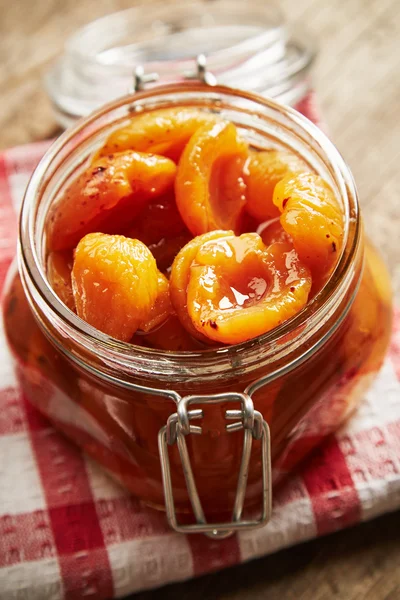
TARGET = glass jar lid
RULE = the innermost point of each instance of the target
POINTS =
(246, 44)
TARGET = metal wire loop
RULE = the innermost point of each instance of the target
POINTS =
(176, 430)
(140, 78)
(173, 422)
(200, 73)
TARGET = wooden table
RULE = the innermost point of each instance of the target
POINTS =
(357, 78)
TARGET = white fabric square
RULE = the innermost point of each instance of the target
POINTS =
(149, 562)
(21, 489)
(7, 376)
(290, 524)
(34, 580)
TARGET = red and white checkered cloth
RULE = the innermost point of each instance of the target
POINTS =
(67, 531)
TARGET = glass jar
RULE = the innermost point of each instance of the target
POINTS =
(302, 379)
(247, 45)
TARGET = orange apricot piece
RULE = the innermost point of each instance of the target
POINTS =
(238, 289)
(228, 187)
(204, 201)
(161, 308)
(107, 195)
(311, 215)
(59, 267)
(263, 170)
(115, 282)
(180, 277)
(164, 132)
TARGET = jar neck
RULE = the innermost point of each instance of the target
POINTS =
(265, 124)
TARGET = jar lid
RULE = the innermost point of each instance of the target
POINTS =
(246, 44)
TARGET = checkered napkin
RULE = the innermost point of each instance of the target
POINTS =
(67, 531)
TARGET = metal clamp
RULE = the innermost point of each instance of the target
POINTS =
(140, 78)
(179, 425)
(201, 73)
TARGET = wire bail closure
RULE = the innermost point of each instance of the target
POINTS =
(179, 425)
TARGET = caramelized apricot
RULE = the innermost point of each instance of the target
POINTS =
(263, 170)
(59, 267)
(239, 289)
(180, 277)
(165, 132)
(204, 201)
(115, 282)
(107, 195)
(161, 308)
(229, 189)
(313, 218)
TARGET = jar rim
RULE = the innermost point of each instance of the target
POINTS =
(162, 362)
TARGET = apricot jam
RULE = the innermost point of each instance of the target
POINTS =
(195, 249)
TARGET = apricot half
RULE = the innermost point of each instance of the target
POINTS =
(263, 170)
(237, 288)
(164, 131)
(205, 198)
(161, 308)
(311, 215)
(180, 277)
(107, 196)
(115, 282)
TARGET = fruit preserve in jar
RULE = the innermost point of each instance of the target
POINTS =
(195, 301)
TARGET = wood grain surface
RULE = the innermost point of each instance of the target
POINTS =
(357, 78)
